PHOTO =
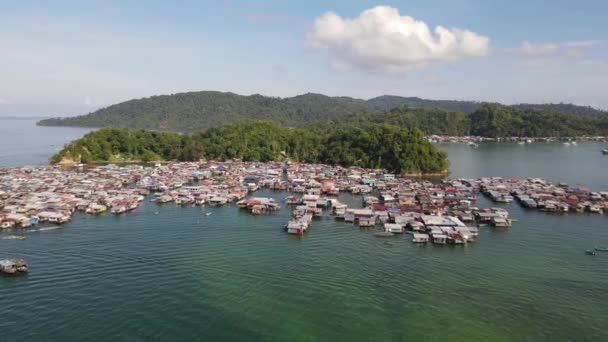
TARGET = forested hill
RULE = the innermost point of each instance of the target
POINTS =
(189, 112)
(371, 145)
(193, 111)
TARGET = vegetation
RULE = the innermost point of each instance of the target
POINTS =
(371, 145)
(493, 120)
(195, 111)
(430, 121)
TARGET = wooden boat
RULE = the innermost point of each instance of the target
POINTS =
(13, 266)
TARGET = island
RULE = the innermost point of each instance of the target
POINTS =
(380, 146)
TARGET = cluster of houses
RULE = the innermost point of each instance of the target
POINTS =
(477, 139)
(440, 213)
(32, 195)
(539, 194)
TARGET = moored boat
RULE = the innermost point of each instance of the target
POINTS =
(13, 266)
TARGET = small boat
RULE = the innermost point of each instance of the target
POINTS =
(13, 266)
(207, 214)
(601, 249)
(590, 252)
(605, 151)
(14, 237)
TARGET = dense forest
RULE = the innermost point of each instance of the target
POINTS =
(195, 111)
(492, 120)
(369, 145)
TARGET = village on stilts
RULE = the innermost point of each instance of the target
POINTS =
(438, 212)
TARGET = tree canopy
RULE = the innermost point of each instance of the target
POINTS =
(381, 146)
(195, 111)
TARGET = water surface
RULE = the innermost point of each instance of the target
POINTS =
(24, 143)
(181, 275)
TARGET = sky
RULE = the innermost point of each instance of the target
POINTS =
(67, 57)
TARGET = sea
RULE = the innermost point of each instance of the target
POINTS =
(169, 273)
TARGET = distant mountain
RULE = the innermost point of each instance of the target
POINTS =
(564, 108)
(193, 111)
(187, 112)
(388, 102)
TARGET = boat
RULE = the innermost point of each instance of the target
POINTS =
(590, 252)
(601, 249)
(207, 214)
(14, 237)
(13, 266)
(605, 151)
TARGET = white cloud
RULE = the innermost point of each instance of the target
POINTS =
(572, 49)
(380, 39)
(528, 48)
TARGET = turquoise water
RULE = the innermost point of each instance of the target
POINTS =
(182, 275)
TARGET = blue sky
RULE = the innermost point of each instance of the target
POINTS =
(81, 54)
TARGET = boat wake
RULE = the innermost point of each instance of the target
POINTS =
(44, 229)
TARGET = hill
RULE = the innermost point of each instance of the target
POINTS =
(372, 145)
(195, 111)
(189, 112)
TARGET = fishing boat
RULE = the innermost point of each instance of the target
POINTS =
(13, 266)
(601, 249)
(14, 237)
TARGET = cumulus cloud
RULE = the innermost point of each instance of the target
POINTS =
(381, 39)
(573, 49)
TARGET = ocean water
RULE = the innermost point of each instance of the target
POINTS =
(173, 273)
(24, 143)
